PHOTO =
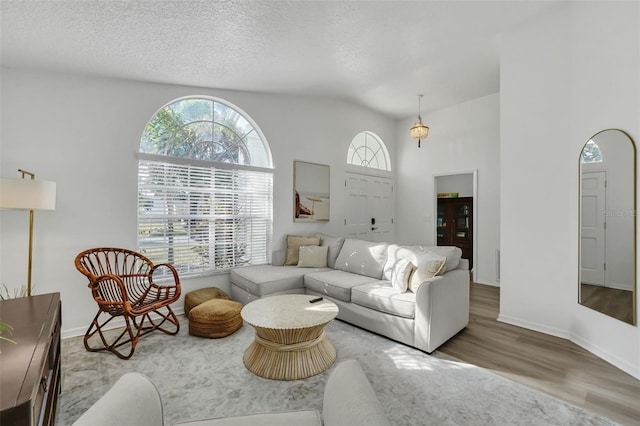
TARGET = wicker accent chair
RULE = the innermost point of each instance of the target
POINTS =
(121, 282)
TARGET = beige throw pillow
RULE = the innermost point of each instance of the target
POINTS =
(429, 265)
(294, 243)
(313, 257)
(401, 274)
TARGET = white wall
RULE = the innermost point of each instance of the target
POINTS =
(83, 133)
(564, 77)
(462, 138)
(460, 183)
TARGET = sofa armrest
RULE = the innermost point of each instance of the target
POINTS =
(349, 398)
(132, 400)
(464, 264)
(278, 257)
(442, 309)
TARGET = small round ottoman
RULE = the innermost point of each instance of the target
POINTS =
(215, 318)
(197, 297)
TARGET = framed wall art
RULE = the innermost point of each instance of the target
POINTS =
(310, 192)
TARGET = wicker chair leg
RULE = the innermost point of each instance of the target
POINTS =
(171, 318)
(112, 344)
(157, 322)
(96, 328)
(132, 339)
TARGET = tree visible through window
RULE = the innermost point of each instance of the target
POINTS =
(205, 188)
(591, 153)
(367, 150)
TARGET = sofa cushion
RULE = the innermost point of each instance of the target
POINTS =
(402, 272)
(313, 257)
(362, 257)
(262, 280)
(336, 284)
(334, 244)
(429, 264)
(395, 252)
(452, 253)
(381, 296)
(294, 243)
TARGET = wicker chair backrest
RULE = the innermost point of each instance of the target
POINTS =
(122, 262)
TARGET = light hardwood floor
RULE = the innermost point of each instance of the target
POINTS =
(549, 364)
(609, 301)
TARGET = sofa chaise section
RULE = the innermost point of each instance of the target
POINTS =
(253, 282)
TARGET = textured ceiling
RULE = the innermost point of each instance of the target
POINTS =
(378, 54)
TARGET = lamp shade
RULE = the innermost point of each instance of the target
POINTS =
(27, 194)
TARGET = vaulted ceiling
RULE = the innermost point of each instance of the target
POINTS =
(379, 54)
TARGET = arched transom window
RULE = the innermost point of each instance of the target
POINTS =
(367, 150)
(205, 188)
(591, 153)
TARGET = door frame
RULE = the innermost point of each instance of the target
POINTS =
(474, 175)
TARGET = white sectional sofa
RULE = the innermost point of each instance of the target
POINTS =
(388, 289)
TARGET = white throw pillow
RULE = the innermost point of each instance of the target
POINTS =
(429, 264)
(400, 275)
(313, 257)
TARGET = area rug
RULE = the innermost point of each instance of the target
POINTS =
(201, 378)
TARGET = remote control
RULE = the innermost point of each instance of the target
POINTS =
(315, 300)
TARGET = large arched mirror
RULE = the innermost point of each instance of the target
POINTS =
(608, 225)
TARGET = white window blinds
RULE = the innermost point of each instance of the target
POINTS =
(202, 218)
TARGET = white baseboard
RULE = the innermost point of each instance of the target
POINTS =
(534, 326)
(613, 359)
(621, 286)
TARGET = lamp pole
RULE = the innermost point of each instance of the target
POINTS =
(33, 176)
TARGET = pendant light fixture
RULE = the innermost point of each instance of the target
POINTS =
(419, 130)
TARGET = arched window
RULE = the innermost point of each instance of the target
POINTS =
(591, 153)
(367, 150)
(205, 188)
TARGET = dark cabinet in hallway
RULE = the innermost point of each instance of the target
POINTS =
(455, 225)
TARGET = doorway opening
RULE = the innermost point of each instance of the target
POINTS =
(456, 213)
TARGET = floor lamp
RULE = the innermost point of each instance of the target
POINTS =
(27, 194)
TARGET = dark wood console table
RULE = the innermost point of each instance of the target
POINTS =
(30, 369)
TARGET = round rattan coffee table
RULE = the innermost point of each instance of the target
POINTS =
(290, 341)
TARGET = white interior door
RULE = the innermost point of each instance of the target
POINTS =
(356, 224)
(593, 228)
(369, 214)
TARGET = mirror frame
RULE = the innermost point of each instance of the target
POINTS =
(634, 316)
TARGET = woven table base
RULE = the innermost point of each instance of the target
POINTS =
(298, 359)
